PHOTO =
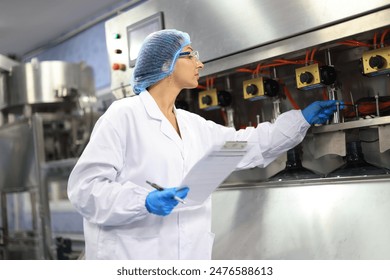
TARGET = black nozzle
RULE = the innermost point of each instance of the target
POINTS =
(251, 89)
(207, 100)
(377, 62)
(306, 78)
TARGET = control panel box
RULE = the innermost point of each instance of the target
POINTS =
(376, 62)
(315, 76)
(208, 99)
(124, 38)
(253, 89)
(307, 76)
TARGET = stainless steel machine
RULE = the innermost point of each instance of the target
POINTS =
(329, 197)
(46, 120)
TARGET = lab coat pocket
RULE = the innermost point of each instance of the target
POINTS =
(137, 247)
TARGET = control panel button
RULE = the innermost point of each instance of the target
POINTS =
(207, 100)
(306, 78)
(377, 62)
(251, 89)
(118, 66)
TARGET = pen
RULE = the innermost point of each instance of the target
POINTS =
(159, 188)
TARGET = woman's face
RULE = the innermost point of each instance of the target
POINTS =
(186, 72)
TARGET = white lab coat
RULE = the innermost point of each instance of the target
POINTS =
(134, 142)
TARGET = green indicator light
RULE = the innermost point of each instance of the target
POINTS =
(117, 36)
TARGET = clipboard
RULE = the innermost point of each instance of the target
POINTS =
(212, 169)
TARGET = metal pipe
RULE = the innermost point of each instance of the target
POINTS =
(357, 111)
(230, 116)
(276, 111)
(328, 57)
(377, 105)
(275, 73)
(336, 118)
(228, 84)
(331, 94)
(44, 229)
(258, 119)
(7, 63)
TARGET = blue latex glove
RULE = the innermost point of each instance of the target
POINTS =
(162, 202)
(321, 111)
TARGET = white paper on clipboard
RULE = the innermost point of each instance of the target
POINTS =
(210, 171)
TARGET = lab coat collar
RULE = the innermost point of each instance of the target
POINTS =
(151, 106)
(154, 112)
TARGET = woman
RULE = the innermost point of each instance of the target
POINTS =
(146, 138)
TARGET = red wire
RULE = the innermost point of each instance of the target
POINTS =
(290, 98)
(244, 70)
(312, 54)
(324, 94)
(353, 43)
(307, 56)
(383, 37)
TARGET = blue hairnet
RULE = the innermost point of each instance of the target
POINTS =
(157, 57)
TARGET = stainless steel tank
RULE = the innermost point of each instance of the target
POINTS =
(3, 87)
(6, 64)
(48, 82)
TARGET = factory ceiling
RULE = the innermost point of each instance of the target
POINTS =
(28, 25)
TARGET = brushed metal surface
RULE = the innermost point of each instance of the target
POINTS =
(333, 143)
(384, 136)
(226, 27)
(321, 165)
(48, 82)
(18, 159)
(296, 42)
(3, 90)
(352, 124)
(258, 174)
(334, 220)
(223, 30)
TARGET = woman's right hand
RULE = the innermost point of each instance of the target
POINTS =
(162, 202)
